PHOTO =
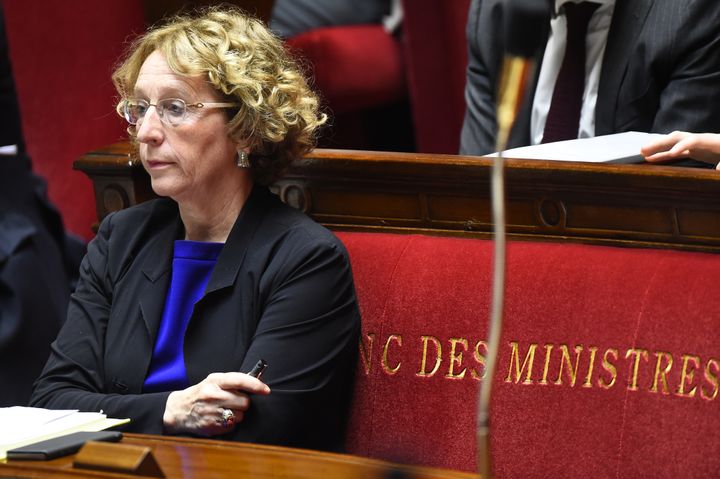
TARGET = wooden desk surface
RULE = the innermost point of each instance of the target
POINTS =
(203, 458)
(624, 205)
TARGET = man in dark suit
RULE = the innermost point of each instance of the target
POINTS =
(651, 65)
(36, 269)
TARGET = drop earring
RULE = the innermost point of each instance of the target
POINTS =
(242, 159)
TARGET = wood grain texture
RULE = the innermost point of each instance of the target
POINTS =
(628, 205)
(183, 457)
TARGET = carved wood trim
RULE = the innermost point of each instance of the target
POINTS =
(628, 205)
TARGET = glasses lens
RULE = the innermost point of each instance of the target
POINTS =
(135, 110)
(172, 110)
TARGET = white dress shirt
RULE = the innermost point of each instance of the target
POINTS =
(8, 150)
(555, 51)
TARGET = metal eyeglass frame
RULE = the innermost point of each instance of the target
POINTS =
(161, 111)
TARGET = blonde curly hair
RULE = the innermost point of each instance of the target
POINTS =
(278, 116)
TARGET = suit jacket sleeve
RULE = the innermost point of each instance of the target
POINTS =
(73, 377)
(308, 333)
(484, 58)
(685, 102)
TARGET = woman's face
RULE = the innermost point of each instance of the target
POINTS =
(189, 161)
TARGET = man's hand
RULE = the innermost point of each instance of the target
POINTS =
(680, 144)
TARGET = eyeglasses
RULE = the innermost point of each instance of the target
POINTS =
(172, 111)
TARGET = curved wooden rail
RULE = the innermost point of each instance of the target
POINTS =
(627, 205)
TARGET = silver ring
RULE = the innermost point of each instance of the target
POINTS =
(228, 418)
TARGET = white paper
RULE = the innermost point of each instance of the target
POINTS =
(615, 148)
(17, 420)
(20, 426)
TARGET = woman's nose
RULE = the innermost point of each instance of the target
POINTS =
(150, 129)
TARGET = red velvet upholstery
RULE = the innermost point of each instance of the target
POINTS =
(345, 73)
(436, 57)
(360, 74)
(610, 309)
(62, 55)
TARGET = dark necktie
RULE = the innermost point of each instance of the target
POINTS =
(563, 120)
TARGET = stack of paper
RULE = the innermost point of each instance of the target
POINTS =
(20, 426)
(616, 148)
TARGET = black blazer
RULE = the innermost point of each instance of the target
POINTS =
(282, 290)
(660, 72)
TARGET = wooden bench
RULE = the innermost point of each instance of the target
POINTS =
(609, 364)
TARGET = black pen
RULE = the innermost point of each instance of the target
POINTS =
(258, 369)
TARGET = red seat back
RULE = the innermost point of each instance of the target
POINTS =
(435, 52)
(609, 365)
(62, 55)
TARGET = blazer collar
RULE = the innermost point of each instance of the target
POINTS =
(157, 261)
(233, 253)
(628, 19)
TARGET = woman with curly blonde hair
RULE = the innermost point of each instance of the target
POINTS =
(179, 297)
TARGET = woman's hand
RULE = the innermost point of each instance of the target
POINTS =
(680, 144)
(199, 408)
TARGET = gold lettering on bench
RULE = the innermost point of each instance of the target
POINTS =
(572, 371)
(385, 364)
(480, 358)
(636, 365)
(661, 375)
(366, 351)
(686, 376)
(548, 352)
(528, 362)
(588, 377)
(711, 378)
(578, 366)
(609, 367)
(438, 356)
(456, 358)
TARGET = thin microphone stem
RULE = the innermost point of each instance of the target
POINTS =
(525, 32)
(513, 80)
(496, 316)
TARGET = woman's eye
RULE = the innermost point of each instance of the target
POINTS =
(175, 108)
(136, 107)
(139, 108)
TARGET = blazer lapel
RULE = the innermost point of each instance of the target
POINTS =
(233, 253)
(627, 22)
(157, 261)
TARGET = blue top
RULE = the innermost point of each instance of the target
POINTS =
(193, 263)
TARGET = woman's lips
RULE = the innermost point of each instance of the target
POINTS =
(155, 164)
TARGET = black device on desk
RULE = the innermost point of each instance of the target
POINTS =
(61, 446)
